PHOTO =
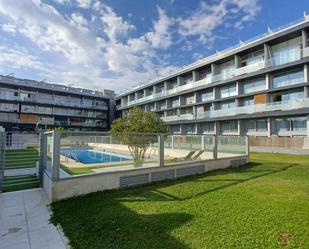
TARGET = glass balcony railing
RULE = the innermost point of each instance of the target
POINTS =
(274, 106)
(276, 60)
(188, 116)
(268, 107)
(250, 68)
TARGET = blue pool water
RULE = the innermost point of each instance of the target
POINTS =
(87, 156)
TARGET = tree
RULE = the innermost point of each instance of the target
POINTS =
(135, 130)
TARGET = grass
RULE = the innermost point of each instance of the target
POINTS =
(264, 204)
(76, 171)
(23, 158)
(14, 183)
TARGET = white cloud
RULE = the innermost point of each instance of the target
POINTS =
(208, 17)
(79, 20)
(84, 3)
(161, 36)
(10, 28)
(77, 50)
(19, 59)
(114, 26)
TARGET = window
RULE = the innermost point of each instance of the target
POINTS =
(287, 51)
(190, 128)
(28, 108)
(175, 129)
(227, 104)
(206, 96)
(248, 101)
(291, 124)
(298, 123)
(250, 125)
(288, 78)
(292, 96)
(207, 127)
(254, 85)
(229, 126)
(175, 102)
(261, 125)
(254, 125)
(187, 110)
(227, 70)
(252, 58)
(203, 73)
(228, 91)
(190, 100)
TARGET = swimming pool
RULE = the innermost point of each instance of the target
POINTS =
(88, 156)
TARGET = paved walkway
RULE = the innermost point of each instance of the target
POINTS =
(24, 222)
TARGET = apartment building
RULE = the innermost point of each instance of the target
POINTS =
(26, 105)
(258, 88)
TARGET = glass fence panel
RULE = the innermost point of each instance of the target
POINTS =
(229, 146)
(95, 152)
(49, 152)
(186, 148)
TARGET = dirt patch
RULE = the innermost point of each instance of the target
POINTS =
(284, 238)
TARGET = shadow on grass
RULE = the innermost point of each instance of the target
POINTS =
(245, 173)
(107, 220)
(97, 221)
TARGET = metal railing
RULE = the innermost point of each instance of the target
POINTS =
(267, 107)
(284, 58)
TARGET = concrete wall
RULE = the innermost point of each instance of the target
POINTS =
(84, 184)
(280, 142)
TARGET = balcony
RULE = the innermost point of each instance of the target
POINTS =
(250, 68)
(245, 110)
(286, 57)
(306, 52)
(188, 116)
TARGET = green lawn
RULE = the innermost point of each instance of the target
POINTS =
(264, 204)
(23, 158)
(14, 183)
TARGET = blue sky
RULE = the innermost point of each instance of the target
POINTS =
(118, 44)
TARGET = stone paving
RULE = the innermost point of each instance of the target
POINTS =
(24, 222)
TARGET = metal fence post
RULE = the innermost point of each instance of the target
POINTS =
(56, 155)
(247, 145)
(161, 149)
(215, 147)
(42, 156)
(172, 142)
(2, 156)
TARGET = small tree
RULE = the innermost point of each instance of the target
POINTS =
(138, 121)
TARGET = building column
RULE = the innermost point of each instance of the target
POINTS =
(182, 129)
(194, 75)
(194, 112)
(306, 73)
(304, 36)
(308, 126)
(268, 81)
(217, 127)
(240, 127)
(267, 54)
(237, 59)
(179, 80)
(213, 69)
(270, 129)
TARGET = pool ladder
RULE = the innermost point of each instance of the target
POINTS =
(72, 156)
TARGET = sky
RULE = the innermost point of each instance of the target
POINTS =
(119, 44)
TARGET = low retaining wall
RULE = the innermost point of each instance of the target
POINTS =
(84, 184)
(280, 142)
